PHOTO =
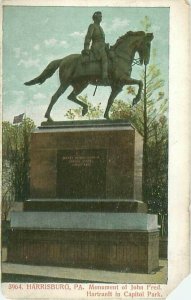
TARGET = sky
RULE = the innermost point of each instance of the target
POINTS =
(34, 36)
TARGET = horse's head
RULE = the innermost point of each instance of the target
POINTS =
(132, 42)
(144, 47)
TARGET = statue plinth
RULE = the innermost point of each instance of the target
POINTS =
(84, 124)
(79, 160)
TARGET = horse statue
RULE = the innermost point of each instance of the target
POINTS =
(79, 71)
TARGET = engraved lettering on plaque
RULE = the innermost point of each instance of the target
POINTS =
(81, 173)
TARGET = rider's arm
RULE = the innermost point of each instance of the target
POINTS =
(88, 37)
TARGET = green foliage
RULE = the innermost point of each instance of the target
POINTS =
(94, 112)
(15, 166)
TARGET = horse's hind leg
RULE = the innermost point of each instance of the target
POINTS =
(78, 88)
(54, 98)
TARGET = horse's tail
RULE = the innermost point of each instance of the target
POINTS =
(48, 72)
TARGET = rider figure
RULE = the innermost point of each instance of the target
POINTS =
(96, 35)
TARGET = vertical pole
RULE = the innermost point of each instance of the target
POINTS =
(145, 139)
(26, 161)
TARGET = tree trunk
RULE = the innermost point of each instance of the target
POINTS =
(145, 140)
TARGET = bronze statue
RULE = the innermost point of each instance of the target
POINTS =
(73, 71)
(96, 35)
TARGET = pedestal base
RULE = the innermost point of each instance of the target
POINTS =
(115, 241)
(135, 251)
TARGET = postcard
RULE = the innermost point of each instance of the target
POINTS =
(95, 149)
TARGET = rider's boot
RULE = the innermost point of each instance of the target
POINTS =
(105, 78)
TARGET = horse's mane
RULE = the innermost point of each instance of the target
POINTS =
(126, 35)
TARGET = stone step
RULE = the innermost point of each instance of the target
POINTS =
(84, 221)
(85, 123)
(77, 274)
(85, 205)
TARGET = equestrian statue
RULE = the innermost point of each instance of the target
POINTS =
(99, 65)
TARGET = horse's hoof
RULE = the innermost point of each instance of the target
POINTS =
(84, 110)
(49, 119)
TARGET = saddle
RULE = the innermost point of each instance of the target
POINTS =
(92, 57)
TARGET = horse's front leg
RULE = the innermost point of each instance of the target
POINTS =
(131, 81)
(115, 91)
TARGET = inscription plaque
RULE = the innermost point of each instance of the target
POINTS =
(81, 173)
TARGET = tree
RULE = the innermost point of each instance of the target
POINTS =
(15, 164)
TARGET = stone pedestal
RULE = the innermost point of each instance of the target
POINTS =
(99, 161)
(85, 208)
